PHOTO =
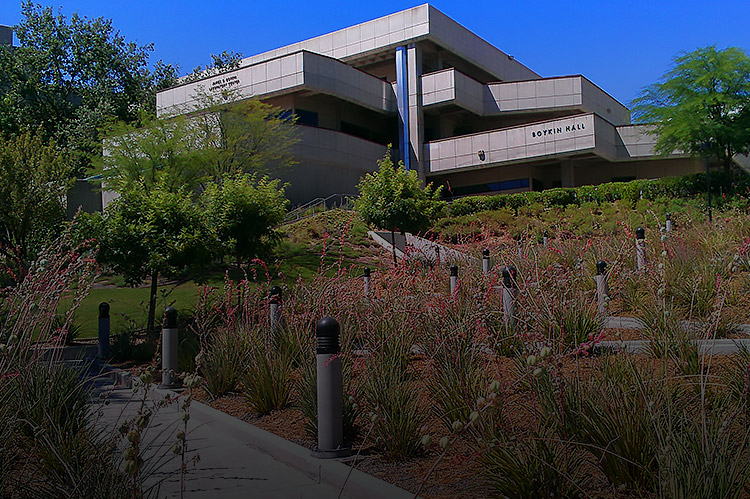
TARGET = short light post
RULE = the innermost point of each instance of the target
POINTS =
(602, 288)
(545, 238)
(510, 293)
(706, 148)
(668, 223)
(274, 309)
(330, 394)
(366, 280)
(103, 350)
(486, 261)
(640, 248)
(454, 279)
(169, 342)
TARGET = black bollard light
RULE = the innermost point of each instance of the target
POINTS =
(330, 394)
(169, 342)
(274, 309)
(485, 261)
(104, 329)
(640, 247)
(602, 288)
(367, 282)
(510, 293)
(454, 278)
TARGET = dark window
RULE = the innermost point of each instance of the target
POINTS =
(505, 185)
(285, 115)
(356, 130)
(622, 179)
(304, 117)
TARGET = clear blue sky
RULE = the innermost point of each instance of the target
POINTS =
(619, 45)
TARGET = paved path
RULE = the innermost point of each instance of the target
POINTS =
(236, 458)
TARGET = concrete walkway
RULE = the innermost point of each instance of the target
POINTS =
(236, 458)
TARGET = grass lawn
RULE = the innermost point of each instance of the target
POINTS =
(129, 306)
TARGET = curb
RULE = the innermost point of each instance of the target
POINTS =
(330, 472)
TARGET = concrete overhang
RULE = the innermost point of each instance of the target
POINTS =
(282, 75)
(580, 135)
(368, 41)
(572, 93)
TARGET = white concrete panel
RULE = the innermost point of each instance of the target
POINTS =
(563, 86)
(516, 137)
(480, 142)
(463, 146)
(545, 88)
(546, 102)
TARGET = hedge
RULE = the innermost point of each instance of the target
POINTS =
(672, 187)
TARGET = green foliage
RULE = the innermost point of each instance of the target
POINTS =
(245, 211)
(71, 76)
(703, 99)
(393, 199)
(267, 379)
(34, 177)
(662, 189)
(146, 232)
(397, 416)
(220, 362)
(539, 466)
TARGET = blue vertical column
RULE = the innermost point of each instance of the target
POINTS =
(402, 100)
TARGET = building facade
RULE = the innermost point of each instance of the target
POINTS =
(456, 109)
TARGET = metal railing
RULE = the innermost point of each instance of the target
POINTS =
(318, 205)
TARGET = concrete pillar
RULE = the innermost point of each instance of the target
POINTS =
(416, 116)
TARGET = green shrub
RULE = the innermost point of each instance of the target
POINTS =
(221, 363)
(267, 379)
(538, 466)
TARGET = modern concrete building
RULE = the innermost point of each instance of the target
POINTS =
(6, 35)
(456, 109)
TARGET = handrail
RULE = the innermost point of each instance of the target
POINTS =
(299, 213)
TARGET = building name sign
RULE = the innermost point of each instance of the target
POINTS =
(223, 83)
(544, 132)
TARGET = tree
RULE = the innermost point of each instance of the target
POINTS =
(145, 234)
(701, 105)
(393, 198)
(34, 177)
(220, 136)
(244, 212)
(70, 77)
(171, 166)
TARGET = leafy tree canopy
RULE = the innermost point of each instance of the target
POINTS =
(33, 181)
(393, 198)
(244, 211)
(220, 137)
(701, 105)
(70, 76)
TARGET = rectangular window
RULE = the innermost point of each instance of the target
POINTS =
(304, 117)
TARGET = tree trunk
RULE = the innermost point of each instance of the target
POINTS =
(393, 247)
(152, 303)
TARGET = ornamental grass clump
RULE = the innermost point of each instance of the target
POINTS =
(393, 399)
(267, 375)
(459, 370)
(220, 362)
(537, 465)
